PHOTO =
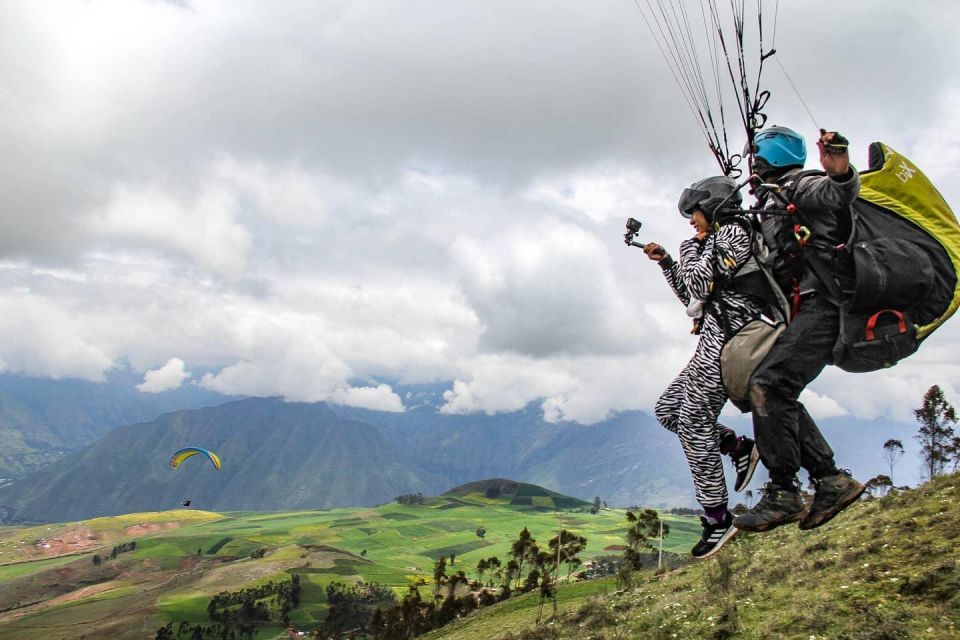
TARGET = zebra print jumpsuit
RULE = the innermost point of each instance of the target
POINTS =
(692, 403)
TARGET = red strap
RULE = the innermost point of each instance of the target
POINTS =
(872, 322)
(795, 307)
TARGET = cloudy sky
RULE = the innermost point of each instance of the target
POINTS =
(323, 200)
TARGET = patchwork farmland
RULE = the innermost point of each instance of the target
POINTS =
(50, 580)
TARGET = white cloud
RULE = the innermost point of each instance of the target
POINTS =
(378, 398)
(39, 337)
(896, 392)
(505, 383)
(170, 376)
(821, 406)
(544, 289)
(606, 193)
(205, 229)
(413, 191)
(579, 389)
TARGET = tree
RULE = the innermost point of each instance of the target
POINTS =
(439, 575)
(570, 545)
(510, 570)
(351, 605)
(879, 485)
(644, 527)
(520, 550)
(493, 564)
(892, 451)
(936, 417)
(458, 578)
(953, 451)
(481, 532)
(482, 567)
(547, 591)
(532, 581)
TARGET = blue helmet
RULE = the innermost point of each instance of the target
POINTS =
(779, 147)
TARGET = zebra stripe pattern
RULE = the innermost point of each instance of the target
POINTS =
(691, 404)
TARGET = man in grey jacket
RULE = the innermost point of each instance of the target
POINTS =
(786, 435)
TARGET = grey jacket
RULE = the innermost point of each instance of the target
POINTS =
(821, 203)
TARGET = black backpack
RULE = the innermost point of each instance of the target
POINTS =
(904, 251)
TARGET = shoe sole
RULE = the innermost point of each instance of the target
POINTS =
(754, 459)
(771, 525)
(845, 501)
(727, 537)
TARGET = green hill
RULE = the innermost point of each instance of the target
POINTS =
(517, 494)
(884, 569)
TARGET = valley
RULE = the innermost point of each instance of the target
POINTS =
(50, 581)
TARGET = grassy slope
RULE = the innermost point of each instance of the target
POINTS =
(884, 569)
(164, 579)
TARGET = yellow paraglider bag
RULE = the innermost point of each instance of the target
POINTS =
(905, 251)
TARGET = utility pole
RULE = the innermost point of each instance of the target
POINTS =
(660, 557)
(556, 580)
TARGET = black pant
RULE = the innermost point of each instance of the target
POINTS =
(786, 435)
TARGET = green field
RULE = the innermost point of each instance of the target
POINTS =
(884, 569)
(182, 558)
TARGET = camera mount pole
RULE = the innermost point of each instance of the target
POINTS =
(630, 237)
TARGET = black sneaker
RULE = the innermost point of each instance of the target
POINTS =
(778, 506)
(833, 495)
(715, 535)
(745, 457)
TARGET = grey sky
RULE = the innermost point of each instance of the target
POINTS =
(312, 199)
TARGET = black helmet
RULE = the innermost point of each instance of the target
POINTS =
(708, 194)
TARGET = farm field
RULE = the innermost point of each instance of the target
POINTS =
(50, 583)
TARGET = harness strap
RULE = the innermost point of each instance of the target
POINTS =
(795, 300)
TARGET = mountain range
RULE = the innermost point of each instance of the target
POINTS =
(283, 455)
(42, 420)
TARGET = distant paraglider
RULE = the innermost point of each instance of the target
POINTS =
(183, 454)
(186, 503)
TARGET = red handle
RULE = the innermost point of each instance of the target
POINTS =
(872, 322)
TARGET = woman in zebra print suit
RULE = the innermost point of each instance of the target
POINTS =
(692, 403)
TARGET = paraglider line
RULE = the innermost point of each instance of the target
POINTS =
(799, 97)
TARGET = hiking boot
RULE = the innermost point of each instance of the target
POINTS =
(778, 506)
(715, 535)
(745, 457)
(834, 494)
